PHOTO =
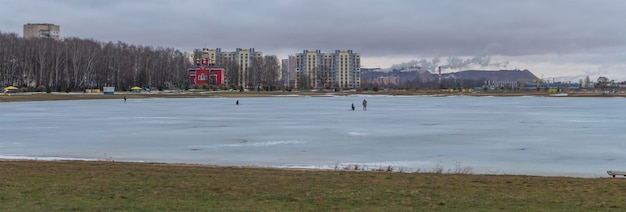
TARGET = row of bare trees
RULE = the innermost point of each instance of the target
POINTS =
(263, 73)
(74, 64)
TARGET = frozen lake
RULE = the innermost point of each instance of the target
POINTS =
(582, 137)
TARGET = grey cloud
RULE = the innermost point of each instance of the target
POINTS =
(454, 28)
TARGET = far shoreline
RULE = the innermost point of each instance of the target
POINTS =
(42, 96)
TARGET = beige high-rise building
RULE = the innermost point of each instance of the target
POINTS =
(41, 30)
(338, 70)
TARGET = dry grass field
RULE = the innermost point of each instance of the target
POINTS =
(120, 186)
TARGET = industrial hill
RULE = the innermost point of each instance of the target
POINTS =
(405, 75)
(500, 75)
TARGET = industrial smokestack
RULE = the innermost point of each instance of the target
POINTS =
(439, 67)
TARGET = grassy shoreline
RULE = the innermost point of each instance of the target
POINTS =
(106, 186)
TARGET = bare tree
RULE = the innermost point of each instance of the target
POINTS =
(82, 56)
(325, 76)
(269, 72)
(602, 83)
(57, 54)
(254, 73)
(10, 58)
(303, 82)
(232, 76)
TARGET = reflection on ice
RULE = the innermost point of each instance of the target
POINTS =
(250, 144)
(21, 157)
(357, 133)
(491, 135)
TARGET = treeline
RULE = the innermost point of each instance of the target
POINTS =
(263, 74)
(74, 64)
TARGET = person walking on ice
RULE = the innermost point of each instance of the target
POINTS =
(364, 104)
(352, 106)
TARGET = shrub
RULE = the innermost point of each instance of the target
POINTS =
(458, 169)
(437, 170)
(41, 88)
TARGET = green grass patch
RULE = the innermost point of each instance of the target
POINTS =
(117, 186)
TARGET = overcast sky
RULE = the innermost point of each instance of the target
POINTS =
(553, 38)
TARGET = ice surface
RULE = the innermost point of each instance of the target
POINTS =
(582, 137)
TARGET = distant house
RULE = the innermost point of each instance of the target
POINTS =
(205, 72)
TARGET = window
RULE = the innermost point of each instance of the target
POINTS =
(202, 77)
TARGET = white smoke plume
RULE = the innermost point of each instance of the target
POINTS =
(451, 63)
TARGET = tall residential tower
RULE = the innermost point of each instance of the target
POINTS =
(338, 70)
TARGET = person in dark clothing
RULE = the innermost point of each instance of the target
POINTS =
(364, 104)
(124, 98)
(352, 106)
(237, 102)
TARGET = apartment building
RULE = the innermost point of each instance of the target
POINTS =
(243, 58)
(41, 30)
(288, 71)
(338, 70)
